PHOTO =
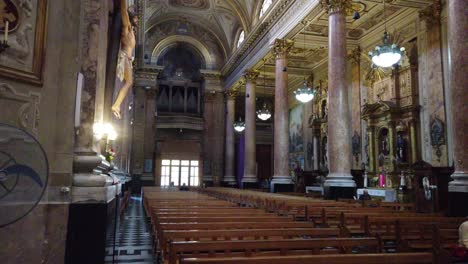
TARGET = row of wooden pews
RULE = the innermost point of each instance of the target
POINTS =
(222, 225)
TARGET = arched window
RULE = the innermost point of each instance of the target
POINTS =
(241, 38)
(265, 5)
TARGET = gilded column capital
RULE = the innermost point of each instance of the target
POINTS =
(282, 47)
(231, 94)
(355, 55)
(335, 6)
(432, 13)
(251, 75)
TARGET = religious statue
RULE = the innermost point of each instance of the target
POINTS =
(125, 59)
(384, 145)
(401, 147)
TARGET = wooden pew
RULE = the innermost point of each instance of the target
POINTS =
(383, 258)
(168, 236)
(249, 248)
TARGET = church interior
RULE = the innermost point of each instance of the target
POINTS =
(233, 131)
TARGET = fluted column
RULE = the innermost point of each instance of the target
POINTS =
(339, 115)
(250, 174)
(281, 175)
(229, 176)
(458, 44)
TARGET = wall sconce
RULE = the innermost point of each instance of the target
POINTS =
(4, 44)
(104, 130)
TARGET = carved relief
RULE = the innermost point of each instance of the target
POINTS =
(19, 109)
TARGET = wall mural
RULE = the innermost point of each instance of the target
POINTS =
(296, 143)
(25, 37)
(296, 139)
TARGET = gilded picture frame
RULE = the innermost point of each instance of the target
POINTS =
(24, 58)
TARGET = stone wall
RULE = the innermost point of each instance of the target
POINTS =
(40, 236)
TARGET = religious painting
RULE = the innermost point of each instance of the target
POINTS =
(23, 26)
(296, 142)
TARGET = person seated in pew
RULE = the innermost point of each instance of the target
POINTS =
(460, 251)
(184, 187)
(365, 195)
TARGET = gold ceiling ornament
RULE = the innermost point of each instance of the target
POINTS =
(251, 74)
(334, 6)
(432, 13)
(282, 47)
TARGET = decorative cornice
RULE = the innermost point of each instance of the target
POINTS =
(432, 13)
(147, 73)
(282, 47)
(251, 75)
(211, 74)
(335, 6)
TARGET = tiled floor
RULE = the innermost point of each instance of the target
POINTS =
(133, 238)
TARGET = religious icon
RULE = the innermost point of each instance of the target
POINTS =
(401, 148)
(384, 148)
(125, 59)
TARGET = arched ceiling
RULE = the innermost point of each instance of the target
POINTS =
(221, 18)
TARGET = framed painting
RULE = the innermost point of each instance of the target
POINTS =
(295, 130)
(26, 22)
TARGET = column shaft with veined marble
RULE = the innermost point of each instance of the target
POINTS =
(281, 49)
(250, 173)
(458, 45)
(229, 176)
(339, 115)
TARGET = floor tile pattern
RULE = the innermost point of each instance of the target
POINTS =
(133, 237)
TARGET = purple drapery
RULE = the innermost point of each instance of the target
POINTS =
(240, 160)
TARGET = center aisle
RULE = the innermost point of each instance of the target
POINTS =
(133, 237)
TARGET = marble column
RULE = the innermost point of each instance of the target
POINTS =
(339, 181)
(316, 154)
(229, 158)
(250, 161)
(281, 176)
(214, 127)
(458, 45)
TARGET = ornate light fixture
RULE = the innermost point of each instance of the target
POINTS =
(386, 55)
(264, 114)
(304, 94)
(239, 126)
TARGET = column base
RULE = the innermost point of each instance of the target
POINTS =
(339, 180)
(336, 192)
(249, 178)
(459, 183)
(457, 204)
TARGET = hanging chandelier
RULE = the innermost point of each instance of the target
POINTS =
(264, 114)
(386, 55)
(304, 94)
(239, 126)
